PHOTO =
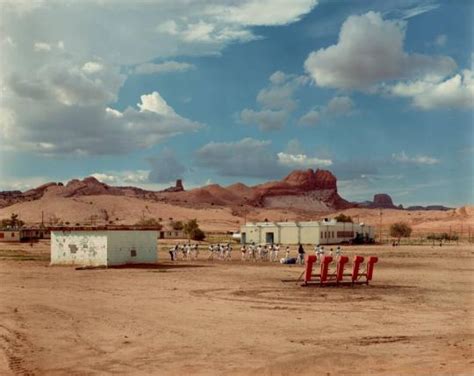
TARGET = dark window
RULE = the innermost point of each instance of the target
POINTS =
(13, 234)
(133, 253)
(2, 235)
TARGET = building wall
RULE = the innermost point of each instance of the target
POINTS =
(309, 234)
(289, 234)
(86, 248)
(132, 247)
(252, 234)
(304, 232)
(9, 236)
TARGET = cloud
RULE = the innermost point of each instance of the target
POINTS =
(245, 158)
(165, 167)
(276, 102)
(279, 94)
(91, 129)
(68, 83)
(454, 92)
(121, 178)
(92, 67)
(255, 159)
(417, 10)
(369, 51)
(337, 106)
(265, 12)
(267, 120)
(154, 29)
(418, 159)
(165, 67)
(155, 103)
(302, 160)
(312, 117)
(69, 86)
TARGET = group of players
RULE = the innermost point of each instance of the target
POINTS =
(184, 252)
(267, 252)
(251, 252)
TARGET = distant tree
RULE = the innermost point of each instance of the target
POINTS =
(400, 230)
(191, 228)
(12, 222)
(343, 218)
(149, 222)
(177, 225)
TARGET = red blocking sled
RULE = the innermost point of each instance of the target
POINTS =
(336, 277)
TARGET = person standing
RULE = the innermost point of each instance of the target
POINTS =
(276, 251)
(243, 250)
(301, 254)
(287, 252)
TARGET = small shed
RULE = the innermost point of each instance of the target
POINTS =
(89, 247)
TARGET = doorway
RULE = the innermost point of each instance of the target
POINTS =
(269, 237)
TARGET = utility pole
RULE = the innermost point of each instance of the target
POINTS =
(380, 227)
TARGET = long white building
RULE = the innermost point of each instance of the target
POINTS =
(313, 232)
(87, 247)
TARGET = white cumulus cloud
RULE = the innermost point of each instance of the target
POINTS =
(454, 92)
(369, 51)
(302, 160)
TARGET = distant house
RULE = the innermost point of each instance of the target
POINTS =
(10, 236)
(92, 247)
(171, 234)
(23, 234)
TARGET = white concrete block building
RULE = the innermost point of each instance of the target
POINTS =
(103, 247)
(312, 232)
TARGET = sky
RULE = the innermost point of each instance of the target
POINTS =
(145, 92)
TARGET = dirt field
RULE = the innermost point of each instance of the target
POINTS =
(237, 318)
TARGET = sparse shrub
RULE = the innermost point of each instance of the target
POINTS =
(191, 228)
(177, 225)
(343, 218)
(400, 230)
(12, 222)
(149, 222)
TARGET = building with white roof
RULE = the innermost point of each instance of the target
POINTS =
(305, 232)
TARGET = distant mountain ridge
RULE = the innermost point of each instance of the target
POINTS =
(310, 190)
(305, 190)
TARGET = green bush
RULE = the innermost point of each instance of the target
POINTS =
(191, 228)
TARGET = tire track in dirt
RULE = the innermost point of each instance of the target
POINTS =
(17, 348)
(287, 298)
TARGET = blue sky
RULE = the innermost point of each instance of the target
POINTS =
(380, 93)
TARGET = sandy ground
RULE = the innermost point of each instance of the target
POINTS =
(237, 318)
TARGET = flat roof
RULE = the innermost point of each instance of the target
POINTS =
(104, 228)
